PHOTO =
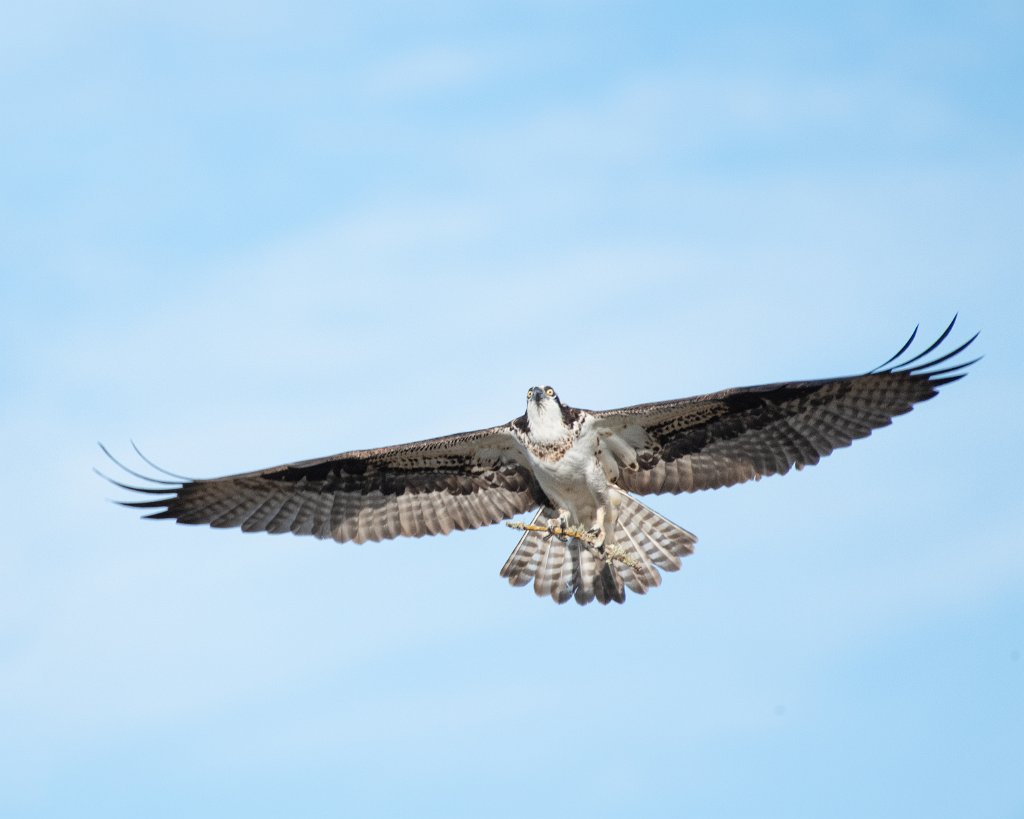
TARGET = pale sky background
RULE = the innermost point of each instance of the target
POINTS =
(250, 234)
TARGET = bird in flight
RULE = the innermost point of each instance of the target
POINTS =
(591, 539)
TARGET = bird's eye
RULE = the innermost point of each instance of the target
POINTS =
(550, 392)
(529, 394)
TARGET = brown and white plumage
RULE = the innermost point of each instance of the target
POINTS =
(425, 488)
(576, 466)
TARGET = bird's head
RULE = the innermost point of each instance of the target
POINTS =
(542, 395)
(544, 412)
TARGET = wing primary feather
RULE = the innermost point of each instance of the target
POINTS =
(132, 472)
(938, 382)
(149, 490)
(167, 514)
(905, 364)
(900, 352)
(159, 468)
(966, 364)
(946, 357)
(150, 504)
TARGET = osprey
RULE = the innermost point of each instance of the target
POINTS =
(591, 538)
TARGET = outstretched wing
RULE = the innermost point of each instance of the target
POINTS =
(725, 438)
(424, 488)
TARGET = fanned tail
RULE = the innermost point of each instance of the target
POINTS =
(643, 543)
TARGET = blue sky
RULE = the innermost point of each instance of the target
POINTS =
(245, 235)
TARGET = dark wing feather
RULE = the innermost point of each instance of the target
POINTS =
(725, 438)
(424, 488)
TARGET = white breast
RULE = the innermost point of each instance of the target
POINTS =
(546, 423)
(574, 481)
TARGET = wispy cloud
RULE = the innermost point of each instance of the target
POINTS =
(425, 72)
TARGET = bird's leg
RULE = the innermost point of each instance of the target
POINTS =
(598, 531)
(604, 542)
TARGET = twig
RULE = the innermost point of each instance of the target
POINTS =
(579, 534)
(605, 554)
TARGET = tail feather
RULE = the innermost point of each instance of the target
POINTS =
(609, 585)
(644, 574)
(521, 566)
(554, 575)
(561, 569)
(662, 541)
(586, 564)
